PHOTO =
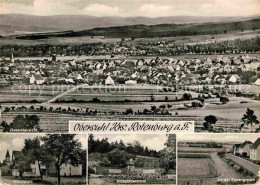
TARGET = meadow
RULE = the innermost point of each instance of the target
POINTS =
(196, 167)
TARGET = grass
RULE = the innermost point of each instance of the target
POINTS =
(198, 149)
(196, 167)
(193, 155)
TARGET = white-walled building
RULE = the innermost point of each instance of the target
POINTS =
(109, 81)
(36, 79)
(255, 150)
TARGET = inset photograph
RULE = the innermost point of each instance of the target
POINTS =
(132, 159)
(218, 159)
(42, 159)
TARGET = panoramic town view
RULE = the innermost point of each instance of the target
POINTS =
(211, 80)
(132, 159)
(218, 159)
(43, 159)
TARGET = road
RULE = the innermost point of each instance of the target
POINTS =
(64, 93)
(223, 169)
(246, 164)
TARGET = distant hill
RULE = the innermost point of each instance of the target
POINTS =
(160, 30)
(21, 24)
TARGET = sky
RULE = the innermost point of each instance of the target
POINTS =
(219, 137)
(152, 141)
(16, 142)
(132, 8)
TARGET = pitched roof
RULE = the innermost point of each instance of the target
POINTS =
(38, 77)
(256, 144)
(245, 143)
(7, 154)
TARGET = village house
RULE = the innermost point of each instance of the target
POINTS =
(255, 150)
(66, 169)
(109, 81)
(243, 149)
(131, 82)
(234, 79)
(257, 82)
(37, 79)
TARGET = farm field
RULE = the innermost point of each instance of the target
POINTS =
(203, 168)
(58, 122)
(229, 115)
(40, 93)
(196, 167)
(233, 110)
(178, 39)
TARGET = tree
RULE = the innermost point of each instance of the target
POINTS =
(35, 152)
(249, 118)
(209, 120)
(6, 127)
(223, 99)
(152, 98)
(186, 96)
(153, 108)
(25, 122)
(129, 111)
(64, 148)
(118, 157)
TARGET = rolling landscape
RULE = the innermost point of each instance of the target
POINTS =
(154, 70)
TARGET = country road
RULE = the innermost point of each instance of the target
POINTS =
(64, 93)
(246, 164)
(223, 169)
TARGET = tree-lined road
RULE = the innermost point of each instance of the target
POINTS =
(246, 164)
(223, 169)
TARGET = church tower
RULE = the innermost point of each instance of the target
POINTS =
(7, 157)
(12, 58)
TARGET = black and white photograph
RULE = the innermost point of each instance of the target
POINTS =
(152, 60)
(131, 159)
(43, 159)
(218, 159)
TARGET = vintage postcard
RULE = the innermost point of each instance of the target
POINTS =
(129, 92)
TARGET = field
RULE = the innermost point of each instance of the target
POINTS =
(194, 167)
(207, 38)
(118, 99)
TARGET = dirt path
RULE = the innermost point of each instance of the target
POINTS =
(64, 93)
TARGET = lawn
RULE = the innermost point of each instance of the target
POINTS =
(195, 167)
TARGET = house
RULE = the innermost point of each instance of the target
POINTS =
(109, 81)
(257, 82)
(37, 79)
(131, 82)
(255, 150)
(75, 76)
(66, 169)
(243, 149)
(234, 78)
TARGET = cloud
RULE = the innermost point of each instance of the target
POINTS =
(102, 10)
(39, 7)
(149, 8)
(152, 10)
(231, 8)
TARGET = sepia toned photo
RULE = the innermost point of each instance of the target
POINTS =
(129, 60)
(42, 159)
(218, 159)
(131, 159)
